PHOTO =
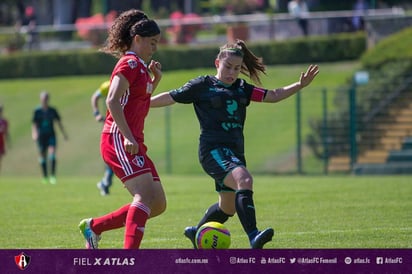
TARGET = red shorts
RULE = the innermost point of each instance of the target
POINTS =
(124, 164)
(2, 151)
(2, 148)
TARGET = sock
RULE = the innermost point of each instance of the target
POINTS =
(52, 159)
(43, 166)
(113, 220)
(136, 218)
(53, 167)
(108, 177)
(245, 209)
(214, 214)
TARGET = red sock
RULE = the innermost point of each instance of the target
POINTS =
(135, 223)
(113, 220)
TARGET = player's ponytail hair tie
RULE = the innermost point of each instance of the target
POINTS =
(235, 51)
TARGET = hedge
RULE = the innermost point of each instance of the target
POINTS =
(317, 49)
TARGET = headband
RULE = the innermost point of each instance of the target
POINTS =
(236, 51)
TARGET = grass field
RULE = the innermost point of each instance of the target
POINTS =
(306, 212)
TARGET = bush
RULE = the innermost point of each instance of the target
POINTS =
(392, 49)
(89, 62)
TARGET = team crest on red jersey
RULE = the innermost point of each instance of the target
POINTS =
(138, 161)
(22, 261)
(132, 63)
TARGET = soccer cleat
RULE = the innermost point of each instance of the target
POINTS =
(92, 239)
(103, 189)
(45, 181)
(52, 180)
(262, 238)
(190, 233)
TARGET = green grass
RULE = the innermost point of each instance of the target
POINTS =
(270, 128)
(306, 212)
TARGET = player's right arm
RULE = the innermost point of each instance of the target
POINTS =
(161, 100)
(34, 129)
(118, 87)
(34, 132)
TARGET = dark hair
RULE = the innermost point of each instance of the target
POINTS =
(252, 66)
(129, 24)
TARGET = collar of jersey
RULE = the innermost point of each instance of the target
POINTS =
(221, 83)
(134, 53)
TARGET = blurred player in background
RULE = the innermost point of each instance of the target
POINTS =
(44, 134)
(100, 94)
(4, 134)
(220, 104)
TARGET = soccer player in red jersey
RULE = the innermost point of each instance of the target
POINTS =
(134, 37)
(4, 134)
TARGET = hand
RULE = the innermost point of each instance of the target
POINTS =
(156, 68)
(99, 118)
(131, 146)
(310, 74)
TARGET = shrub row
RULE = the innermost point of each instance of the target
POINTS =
(88, 62)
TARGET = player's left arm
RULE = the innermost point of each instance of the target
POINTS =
(305, 79)
(60, 124)
(62, 130)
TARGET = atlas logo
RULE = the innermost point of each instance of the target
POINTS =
(22, 261)
(138, 161)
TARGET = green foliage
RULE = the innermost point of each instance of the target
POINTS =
(305, 212)
(48, 64)
(338, 47)
(394, 48)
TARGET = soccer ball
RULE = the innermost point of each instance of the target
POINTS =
(212, 235)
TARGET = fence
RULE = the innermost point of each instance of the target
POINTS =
(200, 30)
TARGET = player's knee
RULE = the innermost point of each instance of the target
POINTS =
(158, 208)
(245, 182)
(52, 156)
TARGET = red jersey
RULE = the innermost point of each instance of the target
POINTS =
(3, 133)
(136, 100)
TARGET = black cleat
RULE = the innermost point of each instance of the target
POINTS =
(262, 238)
(190, 233)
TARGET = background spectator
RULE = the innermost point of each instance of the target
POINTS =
(299, 9)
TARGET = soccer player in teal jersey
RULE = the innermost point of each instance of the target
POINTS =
(44, 134)
(220, 104)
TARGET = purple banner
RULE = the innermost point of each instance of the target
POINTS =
(206, 261)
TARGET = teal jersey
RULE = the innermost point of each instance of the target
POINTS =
(44, 120)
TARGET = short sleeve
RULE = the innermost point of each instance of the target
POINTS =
(189, 92)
